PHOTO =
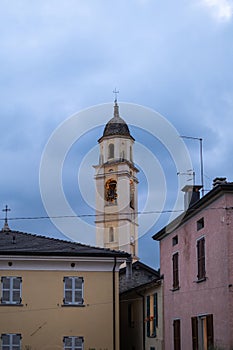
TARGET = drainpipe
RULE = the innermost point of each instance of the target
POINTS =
(114, 303)
(143, 315)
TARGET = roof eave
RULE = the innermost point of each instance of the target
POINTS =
(193, 210)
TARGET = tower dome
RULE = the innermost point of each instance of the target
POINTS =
(116, 126)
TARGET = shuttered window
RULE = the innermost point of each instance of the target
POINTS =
(175, 262)
(73, 343)
(11, 290)
(176, 334)
(210, 331)
(11, 342)
(73, 290)
(201, 274)
(194, 321)
(202, 332)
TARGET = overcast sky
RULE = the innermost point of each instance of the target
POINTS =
(60, 57)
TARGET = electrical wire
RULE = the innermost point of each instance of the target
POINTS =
(169, 211)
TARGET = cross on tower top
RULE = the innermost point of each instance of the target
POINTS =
(115, 91)
(6, 227)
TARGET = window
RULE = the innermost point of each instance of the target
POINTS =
(131, 154)
(200, 224)
(111, 234)
(111, 191)
(11, 341)
(202, 332)
(176, 334)
(151, 315)
(175, 263)
(175, 240)
(201, 274)
(73, 291)
(11, 290)
(110, 150)
(132, 190)
(73, 343)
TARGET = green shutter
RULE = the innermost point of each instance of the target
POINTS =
(155, 320)
(148, 315)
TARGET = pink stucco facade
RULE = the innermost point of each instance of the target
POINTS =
(214, 294)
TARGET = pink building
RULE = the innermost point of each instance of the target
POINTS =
(196, 260)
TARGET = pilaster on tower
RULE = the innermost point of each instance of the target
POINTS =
(116, 188)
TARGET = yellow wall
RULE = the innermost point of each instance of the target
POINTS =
(43, 321)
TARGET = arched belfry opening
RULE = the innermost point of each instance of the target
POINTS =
(111, 191)
(110, 151)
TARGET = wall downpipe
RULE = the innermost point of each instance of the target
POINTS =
(114, 303)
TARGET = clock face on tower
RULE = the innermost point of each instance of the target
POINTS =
(111, 191)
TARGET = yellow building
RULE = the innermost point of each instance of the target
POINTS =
(57, 294)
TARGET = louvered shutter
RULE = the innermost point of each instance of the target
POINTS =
(195, 333)
(210, 331)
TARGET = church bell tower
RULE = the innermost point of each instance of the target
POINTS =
(116, 188)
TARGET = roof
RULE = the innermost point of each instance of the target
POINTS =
(21, 243)
(196, 207)
(116, 126)
(143, 287)
(140, 275)
(137, 265)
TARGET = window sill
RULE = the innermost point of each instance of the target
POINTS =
(5, 304)
(175, 289)
(201, 280)
(73, 305)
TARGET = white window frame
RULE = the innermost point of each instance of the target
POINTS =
(11, 290)
(10, 344)
(72, 346)
(73, 290)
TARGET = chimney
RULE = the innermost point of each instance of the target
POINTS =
(129, 268)
(219, 181)
(191, 195)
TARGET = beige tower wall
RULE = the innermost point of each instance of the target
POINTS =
(119, 214)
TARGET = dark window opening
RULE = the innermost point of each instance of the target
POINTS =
(175, 263)
(176, 334)
(175, 240)
(200, 224)
(201, 273)
(130, 316)
(111, 191)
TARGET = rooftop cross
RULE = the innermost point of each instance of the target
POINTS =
(115, 92)
(6, 227)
